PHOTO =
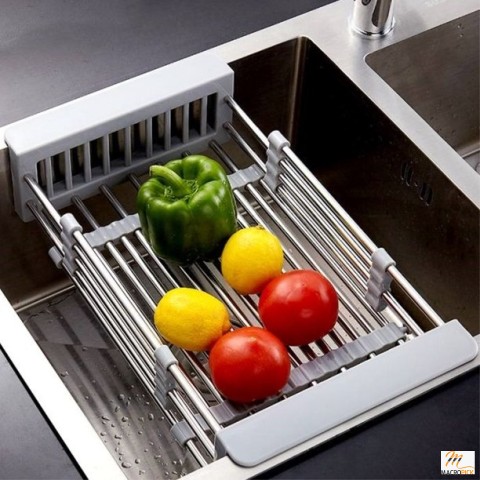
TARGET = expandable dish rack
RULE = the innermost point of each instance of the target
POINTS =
(87, 147)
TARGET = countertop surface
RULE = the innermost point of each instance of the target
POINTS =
(57, 50)
(29, 449)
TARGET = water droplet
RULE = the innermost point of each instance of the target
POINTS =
(151, 416)
(121, 397)
(64, 374)
(118, 436)
(126, 465)
(87, 397)
(104, 417)
(145, 450)
(125, 419)
(147, 403)
(137, 461)
(103, 433)
(141, 472)
(84, 349)
(116, 409)
(141, 419)
(157, 457)
(112, 425)
(140, 432)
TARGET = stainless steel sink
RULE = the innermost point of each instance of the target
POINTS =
(437, 74)
(357, 114)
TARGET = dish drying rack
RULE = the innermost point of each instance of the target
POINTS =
(376, 351)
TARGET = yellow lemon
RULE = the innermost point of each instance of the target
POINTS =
(191, 319)
(251, 257)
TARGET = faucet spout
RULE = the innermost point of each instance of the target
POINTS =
(372, 17)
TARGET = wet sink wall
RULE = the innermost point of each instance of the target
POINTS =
(379, 176)
(437, 73)
(122, 412)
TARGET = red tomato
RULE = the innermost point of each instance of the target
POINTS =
(299, 306)
(249, 364)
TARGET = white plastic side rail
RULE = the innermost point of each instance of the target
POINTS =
(303, 416)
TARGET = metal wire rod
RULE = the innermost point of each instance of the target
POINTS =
(121, 262)
(193, 360)
(119, 294)
(338, 214)
(189, 417)
(261, 201)
(322, 191)
(138, 367)
(130, 329)
(348, 246)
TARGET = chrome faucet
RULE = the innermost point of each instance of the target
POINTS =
(372, 17)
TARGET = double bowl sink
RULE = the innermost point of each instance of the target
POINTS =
(389, 125)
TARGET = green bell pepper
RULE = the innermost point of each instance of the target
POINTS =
(187, 210)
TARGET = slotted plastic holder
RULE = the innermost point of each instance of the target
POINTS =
(176, 107)
(376, 351)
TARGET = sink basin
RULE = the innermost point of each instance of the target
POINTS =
(385, 182)
(437, 74)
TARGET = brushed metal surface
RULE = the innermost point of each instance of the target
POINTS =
(121, 411)
(380, 176)
(437, 74)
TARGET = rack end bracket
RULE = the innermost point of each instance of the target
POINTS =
(379, 279)
(67, 256)
(164, 380)
(276, 143)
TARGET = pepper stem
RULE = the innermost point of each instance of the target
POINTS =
(179, 187)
